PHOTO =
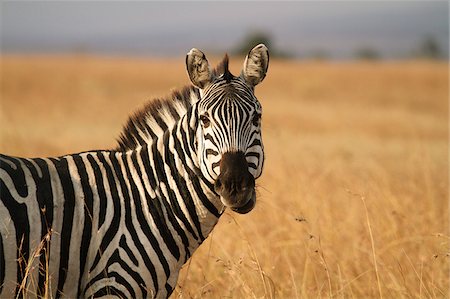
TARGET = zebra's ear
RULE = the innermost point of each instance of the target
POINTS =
(255, 65)
(198, 68)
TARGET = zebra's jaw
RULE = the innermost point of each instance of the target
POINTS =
(241, 207)
(248, 206)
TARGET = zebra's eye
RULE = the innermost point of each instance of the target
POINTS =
(256, 119)
(205, 121)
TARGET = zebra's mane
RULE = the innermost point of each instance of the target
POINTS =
(159, 115)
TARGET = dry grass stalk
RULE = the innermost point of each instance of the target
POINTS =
(381, 129)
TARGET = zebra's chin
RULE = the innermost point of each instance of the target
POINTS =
(247, 207)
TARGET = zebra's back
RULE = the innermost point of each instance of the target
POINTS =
(37, 197)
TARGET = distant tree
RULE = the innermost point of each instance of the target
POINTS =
(318, 54)
(251, 40)
(259, 37)
(367, 53)
(429, 48)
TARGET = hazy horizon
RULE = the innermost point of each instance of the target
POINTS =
(337, 29)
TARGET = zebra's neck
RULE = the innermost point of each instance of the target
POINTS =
(189, 200)
(165, 193)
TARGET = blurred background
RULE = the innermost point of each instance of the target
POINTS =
(328, 29)
(353, 202)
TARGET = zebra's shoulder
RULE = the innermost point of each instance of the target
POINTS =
(158, 115)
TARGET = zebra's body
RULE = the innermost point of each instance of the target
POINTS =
(122, 222)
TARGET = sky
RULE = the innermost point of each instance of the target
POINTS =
(338, 28)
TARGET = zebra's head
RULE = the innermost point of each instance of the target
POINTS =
(228, 136)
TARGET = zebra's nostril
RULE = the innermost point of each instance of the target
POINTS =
(218, 185)
(244, 184)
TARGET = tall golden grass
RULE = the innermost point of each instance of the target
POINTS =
(353, 202)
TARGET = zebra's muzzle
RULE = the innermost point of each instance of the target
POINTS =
(235, 184)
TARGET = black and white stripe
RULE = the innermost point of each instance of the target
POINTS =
(123, 222)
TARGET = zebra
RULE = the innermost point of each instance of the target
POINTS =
(122, 222)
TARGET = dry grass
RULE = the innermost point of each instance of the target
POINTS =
(353, 202)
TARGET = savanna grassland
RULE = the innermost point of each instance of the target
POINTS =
(353, 202)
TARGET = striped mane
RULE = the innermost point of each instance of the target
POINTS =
(159, 115)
